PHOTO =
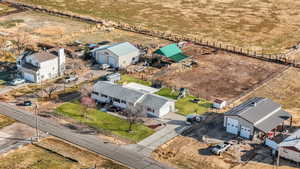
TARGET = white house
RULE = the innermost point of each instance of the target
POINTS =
(124, 97)
(119, 55)
(219, 104)
(43, 65)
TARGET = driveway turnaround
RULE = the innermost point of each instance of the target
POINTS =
(124, 156)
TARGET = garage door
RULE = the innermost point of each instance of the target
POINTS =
(245, 132)
(102, 59)
(29, 77)
(112, 61)
(232, 126)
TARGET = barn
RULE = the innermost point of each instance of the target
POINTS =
(257, 117)
(118, 55)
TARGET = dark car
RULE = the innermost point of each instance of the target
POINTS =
(27, 103)
(103, 43)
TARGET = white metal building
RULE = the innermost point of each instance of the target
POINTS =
(253, 116)
(124, 97)
(290, 147)
(41, 66)
(119, 55)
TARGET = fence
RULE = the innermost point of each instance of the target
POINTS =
(280, 58)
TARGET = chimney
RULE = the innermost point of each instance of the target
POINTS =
(61, 61)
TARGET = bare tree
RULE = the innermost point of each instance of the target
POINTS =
(133, 113)
(21, 43)
(87, 103)
(50, 91)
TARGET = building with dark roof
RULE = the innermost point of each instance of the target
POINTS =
(125, 97)
(256, 115)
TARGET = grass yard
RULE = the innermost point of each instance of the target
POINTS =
(185, 106)
(128, 79)
(38, 157)
(104, 121)
(167, 92)
(253, 24)
(11, 23)
(5, 121)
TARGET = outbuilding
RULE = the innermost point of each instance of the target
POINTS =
(118, 55)
(257, 117)
(290, 147)
(219, 104)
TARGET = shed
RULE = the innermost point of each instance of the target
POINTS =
(219, 104)
(172, 52)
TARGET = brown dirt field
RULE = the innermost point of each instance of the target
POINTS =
(40, 27)
(188, 153)
(285, 90)
(255, 24)
(220, 75)
(32, 156)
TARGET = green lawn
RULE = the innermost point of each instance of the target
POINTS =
(185, 106)
(105, 121)
(127, 79)
(167, 92)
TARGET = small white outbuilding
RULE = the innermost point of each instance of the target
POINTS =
(219, 104)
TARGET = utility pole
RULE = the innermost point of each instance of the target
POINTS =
(36, 122)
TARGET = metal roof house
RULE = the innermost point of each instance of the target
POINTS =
(172, 52)
(124, 97)
(254, 117)
(119, 55)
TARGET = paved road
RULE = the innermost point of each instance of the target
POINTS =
(129, 158)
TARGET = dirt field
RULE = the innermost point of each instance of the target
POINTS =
(33, 156)
(219, 75)
(284, 90)
(196, 155)
(272, 25)
(39, 27)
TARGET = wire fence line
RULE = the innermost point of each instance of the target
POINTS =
(280, 58)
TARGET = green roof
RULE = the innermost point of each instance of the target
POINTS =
(178, 57)
(169, 50)
(172, 52)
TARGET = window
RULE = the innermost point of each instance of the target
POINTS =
(96, 93)
(103, 95)
(122, 101)
(150, 109)
(117, 100)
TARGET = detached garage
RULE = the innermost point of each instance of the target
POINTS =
(255, 116)
(118, 55)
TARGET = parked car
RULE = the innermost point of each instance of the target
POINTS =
(104, 66)
(193, 118)
(18, 81)
(221, 148)
(69, 79)
(103, 43)
(27, 103)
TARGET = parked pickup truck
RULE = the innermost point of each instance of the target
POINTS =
(221, 148)
(69, 79)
